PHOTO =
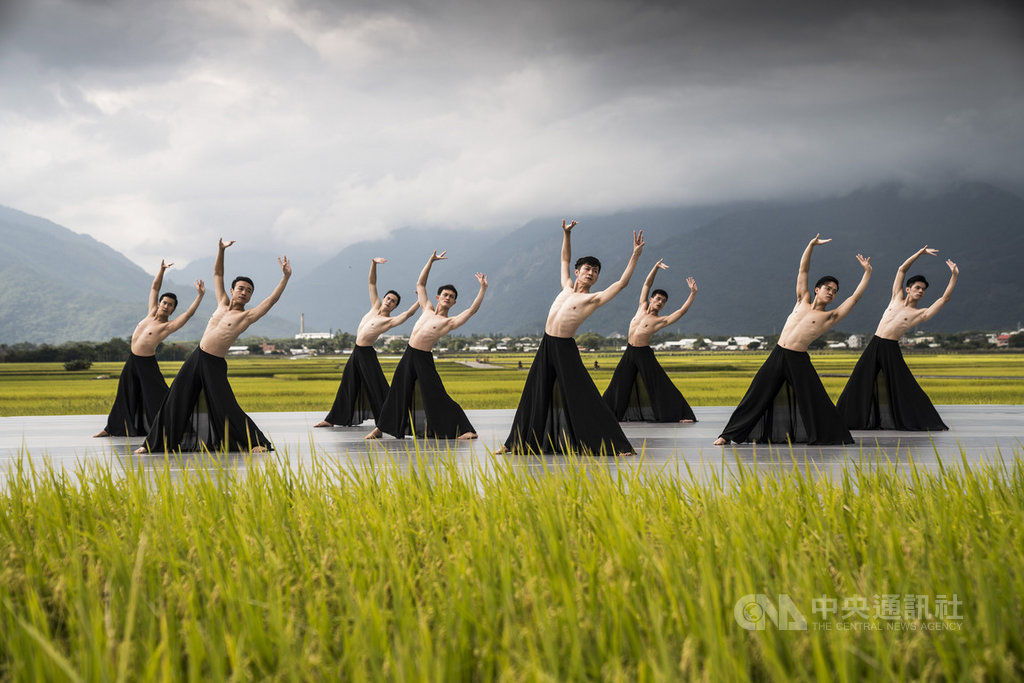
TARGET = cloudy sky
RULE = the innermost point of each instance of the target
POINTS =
(157, 125)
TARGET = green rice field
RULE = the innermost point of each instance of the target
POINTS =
(277, 384)
(429, 567)
(435, 571)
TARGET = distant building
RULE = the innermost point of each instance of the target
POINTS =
(238, 350)
(309, 335)
(981, 337)
(739, 342)
(678, 345)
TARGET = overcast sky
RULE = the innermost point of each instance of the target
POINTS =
(157, 125)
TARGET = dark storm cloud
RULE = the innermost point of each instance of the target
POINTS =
(309, 114)
(83, 35)
(724, 37)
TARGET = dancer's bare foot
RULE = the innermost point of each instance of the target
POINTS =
(325, 423)
(141, 450)
(503, 449)
(624, 455)
(103, 432)
(466, 436)
(688, 421)
(375, 434)
(259, 449)
(720, 441)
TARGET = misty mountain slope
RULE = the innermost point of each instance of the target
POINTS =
(56, 285)
(747, 262)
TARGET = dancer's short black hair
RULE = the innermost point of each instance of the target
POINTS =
(172, 295)
(397, 295)
(588, 261)
(242, 278)
(659, 291)
(451, 287)
(826, 278)
(917, 278)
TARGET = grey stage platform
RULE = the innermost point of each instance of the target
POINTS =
(981, 432)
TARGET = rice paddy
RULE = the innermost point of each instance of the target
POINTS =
(277, 384)
(435, 571)
(424, 566)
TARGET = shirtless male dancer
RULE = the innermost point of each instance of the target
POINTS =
(882, 392)
(786, 399)
(640, 390)
(141, 388)
(200, 409)
(561, 409)
(417, 402)
(363, 386)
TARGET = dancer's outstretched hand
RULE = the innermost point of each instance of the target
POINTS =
(638, 241)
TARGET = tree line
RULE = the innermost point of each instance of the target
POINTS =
(116, 349)
(82, 354)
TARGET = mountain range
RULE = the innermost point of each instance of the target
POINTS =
(56, 285)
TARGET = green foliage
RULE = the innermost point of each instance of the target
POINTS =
(590, 340)
(421, 566)
(77, 364)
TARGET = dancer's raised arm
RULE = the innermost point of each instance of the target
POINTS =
(421, 283)
(260, 310)
(802, 292)
(374, 299)
(931, 311)
(674, 317)
(645, 291)
(844, 308)
(405, 315)
(567, 254)
(901, 272)
(218, 274)
(462, 318)
(158, 282)
(614, 288)
(180, 321)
